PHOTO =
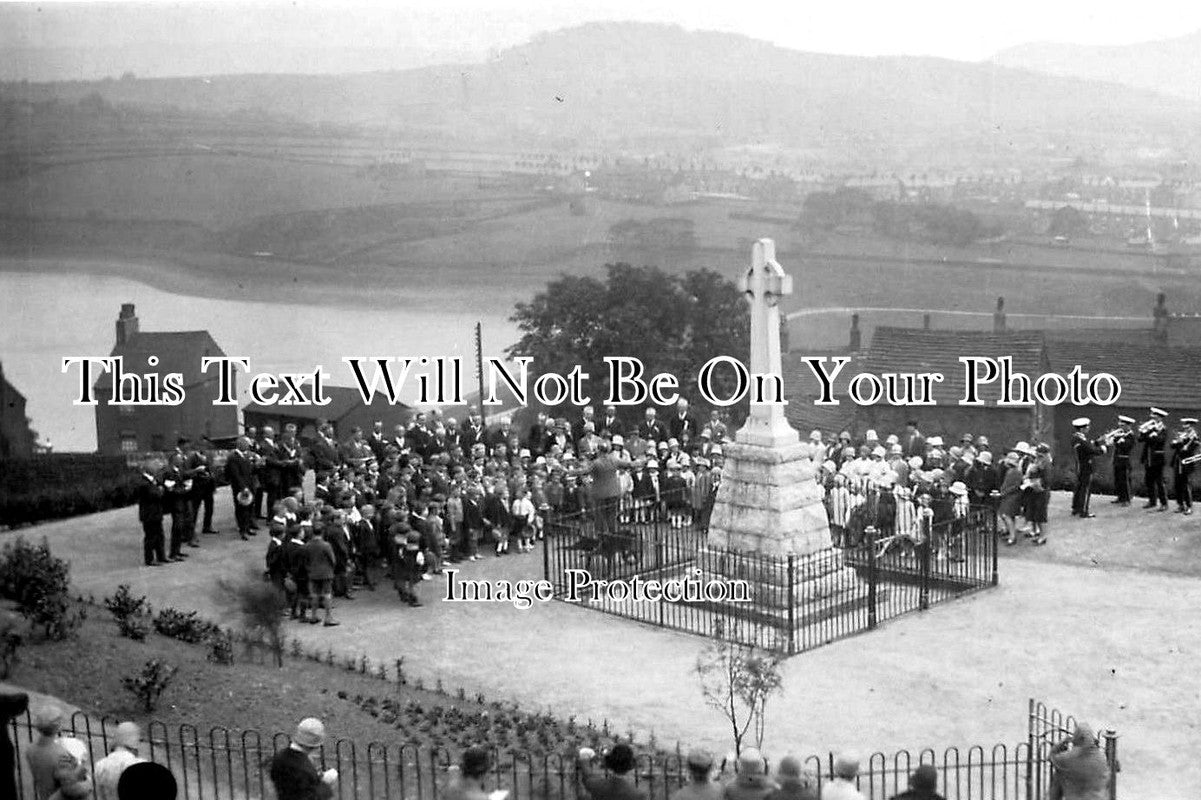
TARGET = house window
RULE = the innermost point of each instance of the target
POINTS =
(129, 443)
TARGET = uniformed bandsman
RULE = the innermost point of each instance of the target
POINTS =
(1122, 441)
(1153, 436)
(1185, 449)
(1085, 451)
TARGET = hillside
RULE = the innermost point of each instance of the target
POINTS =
(639, 86)
(1170, 66)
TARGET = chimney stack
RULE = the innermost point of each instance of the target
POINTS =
(127, 324)
(925, 322)
(998, 316)
(856, 339)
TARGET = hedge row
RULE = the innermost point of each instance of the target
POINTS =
(63, 485)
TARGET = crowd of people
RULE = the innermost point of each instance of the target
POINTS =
(399, 506)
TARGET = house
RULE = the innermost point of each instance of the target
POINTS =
(16, 437)
(345, 410)
(143, 428)
(917, 350)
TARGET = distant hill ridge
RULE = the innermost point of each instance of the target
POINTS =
(636, 84)
(1171, 66)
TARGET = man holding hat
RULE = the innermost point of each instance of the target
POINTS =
(618, 784)
(1153, 437)
(1184, 447)
(1085, 452)
(293, 770)
(1123, 446)
(128, 742)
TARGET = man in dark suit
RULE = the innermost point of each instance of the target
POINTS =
(289, 461)
(539, 438)
(177, 489)
(151, 507)
(682, 422)
(913, 442)
(377, 441)
(651, 429)
(239, 471)
(324, 452)
(292, 771)
(610, 424)
(1085, 452)
(473, 433)
(204, 486)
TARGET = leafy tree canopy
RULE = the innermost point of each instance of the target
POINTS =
(672, 323)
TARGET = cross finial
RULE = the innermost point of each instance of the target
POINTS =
(765, 282)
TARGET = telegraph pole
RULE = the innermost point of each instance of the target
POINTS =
(479, 368)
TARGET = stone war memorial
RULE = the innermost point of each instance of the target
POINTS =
(769, 533)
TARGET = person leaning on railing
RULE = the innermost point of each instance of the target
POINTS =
(1081, 771)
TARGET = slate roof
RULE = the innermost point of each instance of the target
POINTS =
(917, 350)
(177, 351)
(1151, 375)
(342, 400)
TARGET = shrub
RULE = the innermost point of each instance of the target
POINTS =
(221, 648)
(185, 626)
(155, 677)
(261, 607)
(131, 613)
(10, 645)
(40, 583)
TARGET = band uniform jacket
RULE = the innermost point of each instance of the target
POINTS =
(1181, 451)
(151, 500)
(1123, 446)
(1085, 451)
(1153, 445)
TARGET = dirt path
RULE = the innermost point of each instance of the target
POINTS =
(1115, 646)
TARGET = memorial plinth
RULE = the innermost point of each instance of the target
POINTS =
(769, 510)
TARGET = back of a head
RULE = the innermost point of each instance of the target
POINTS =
(620, 759)
(147, 780)
(924, 779)
(846, 766)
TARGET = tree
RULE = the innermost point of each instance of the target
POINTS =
(260, 605)
(672, 323)
(738, 680)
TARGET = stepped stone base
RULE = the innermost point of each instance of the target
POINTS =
(822, 584)
(768, 502)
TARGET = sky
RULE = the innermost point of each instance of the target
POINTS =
(91, 40)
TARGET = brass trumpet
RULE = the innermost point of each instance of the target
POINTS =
(1193, 459)
(1185, 436)
(1153, 424)
(1116, 433)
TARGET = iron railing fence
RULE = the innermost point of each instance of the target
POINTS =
(622, 562)
(218, 764)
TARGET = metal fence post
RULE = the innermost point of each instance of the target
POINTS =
(923, 551)
(1111, 755)
(992, 544)
(872, 577)
(1031, 743)
(791, 604)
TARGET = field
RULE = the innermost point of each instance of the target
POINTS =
(269, 218)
